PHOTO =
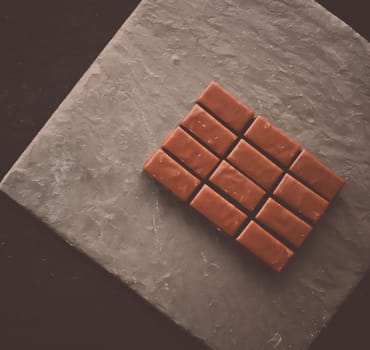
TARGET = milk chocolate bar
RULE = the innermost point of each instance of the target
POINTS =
(245, 175)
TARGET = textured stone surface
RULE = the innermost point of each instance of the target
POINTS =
(292, 62)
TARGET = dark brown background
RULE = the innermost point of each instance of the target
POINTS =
(52, 297)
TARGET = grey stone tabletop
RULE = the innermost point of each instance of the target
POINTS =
(293, 62)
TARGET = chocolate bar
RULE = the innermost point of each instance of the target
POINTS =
(245, 175)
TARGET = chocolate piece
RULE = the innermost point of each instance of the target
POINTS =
(316, 174)
(218, 210)
(237, 185)
(209, 130)
(191, 152)
(171, 175)
(283, 222)
(265, 246)
(272, 140)
(225, 106)
(301, 198)
(254, 164)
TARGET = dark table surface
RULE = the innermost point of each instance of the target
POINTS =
(51, 295)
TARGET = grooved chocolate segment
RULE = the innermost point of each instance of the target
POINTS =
(265, 246)
(301, 198)
(218, 210)
(237, 185)
(272, 140)
(209, 130)
(318, 175)
(284, 222)
(254, 164)
(171, 175)
(225, 106)
(191, 152)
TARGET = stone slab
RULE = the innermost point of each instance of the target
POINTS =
(294, 63)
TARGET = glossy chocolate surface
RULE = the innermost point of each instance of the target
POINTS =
(254, 164)
(301, 198)
(265, 246)
(191, 152)
(273, 141)
(283, 222)
(209, 130)
(171, 175)
(229, 109)
(316, 174)
(218, 210)
(237, 185)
